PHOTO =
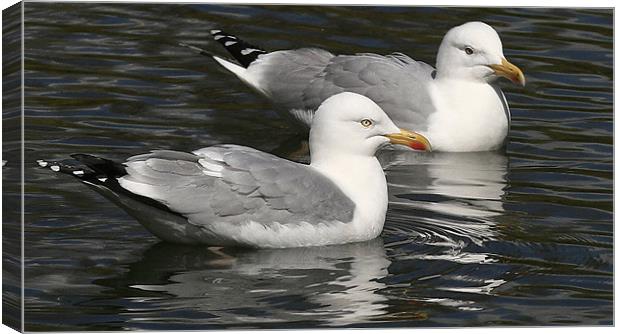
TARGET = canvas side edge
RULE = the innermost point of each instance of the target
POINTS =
(12, 169)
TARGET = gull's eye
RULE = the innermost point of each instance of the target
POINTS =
(469, 50)
(366, 122)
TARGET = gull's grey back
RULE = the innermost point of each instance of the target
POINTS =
(302, 79)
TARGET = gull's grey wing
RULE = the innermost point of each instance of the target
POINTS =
(302, 79)
(397, 83)
(229, 183)
(286, 74)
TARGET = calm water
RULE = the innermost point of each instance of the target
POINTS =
(522, 237)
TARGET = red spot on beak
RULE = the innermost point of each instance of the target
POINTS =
(416, 145)
(410, 139)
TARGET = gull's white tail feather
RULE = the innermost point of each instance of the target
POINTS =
(243, 74)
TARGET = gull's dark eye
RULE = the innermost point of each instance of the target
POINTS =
(366, 122)
(469, 50)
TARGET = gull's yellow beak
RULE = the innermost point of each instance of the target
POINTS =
(412, 139)
(509, 71)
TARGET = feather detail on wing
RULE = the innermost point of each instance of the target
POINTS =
(236, 184)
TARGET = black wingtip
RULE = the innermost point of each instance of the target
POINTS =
(64, 168)
(100, 172)
(103, 166)
(245, 53)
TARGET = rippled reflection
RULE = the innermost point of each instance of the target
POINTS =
(334, 284)
(454, 194)
(444, 182)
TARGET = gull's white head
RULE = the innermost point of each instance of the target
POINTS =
(473, 51)
(352, 124)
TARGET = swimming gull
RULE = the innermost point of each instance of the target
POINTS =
(234, 195)
(456, 106)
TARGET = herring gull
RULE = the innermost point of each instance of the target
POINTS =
(230, 195)
(456, 106)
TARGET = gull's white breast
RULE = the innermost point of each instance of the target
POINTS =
(470, 116)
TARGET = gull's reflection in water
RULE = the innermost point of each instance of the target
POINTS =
(452, 193)
(335, 285)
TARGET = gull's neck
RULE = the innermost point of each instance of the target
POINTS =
(456, 75)
(360, 178)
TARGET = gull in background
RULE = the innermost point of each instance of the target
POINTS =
(456, 105)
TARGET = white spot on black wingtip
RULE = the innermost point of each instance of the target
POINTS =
(246, 52)
(215, 31)
(55, 168)
(243, 52)
(78, 172)
(42, 163)
(102, 179)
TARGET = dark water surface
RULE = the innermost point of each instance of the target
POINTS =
(522, 237)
